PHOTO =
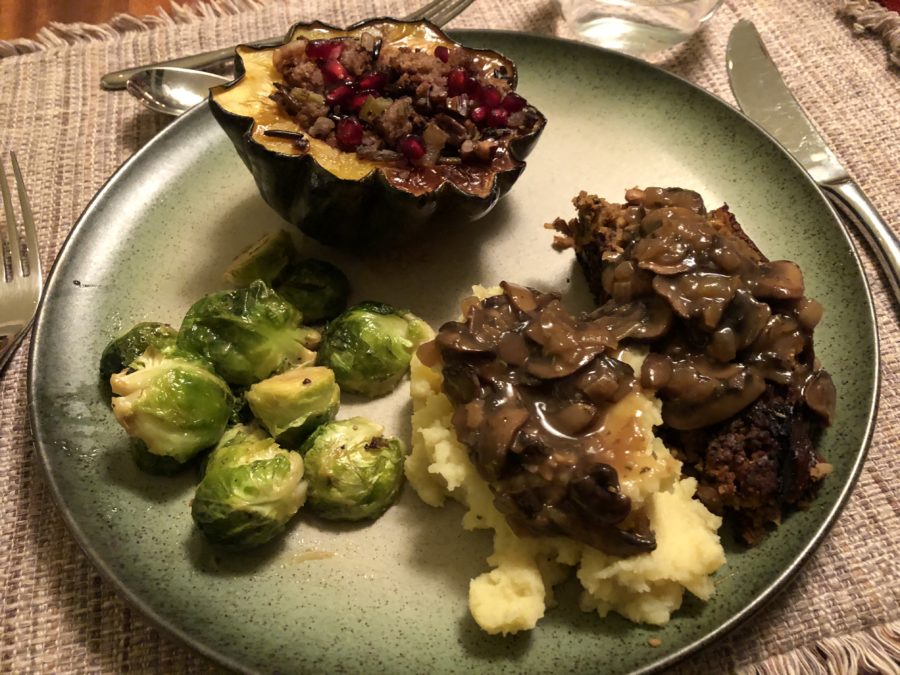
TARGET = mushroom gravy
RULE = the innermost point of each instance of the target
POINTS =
(723, 321)
(531, 387)
(730, 335)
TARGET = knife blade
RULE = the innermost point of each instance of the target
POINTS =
(763, 96)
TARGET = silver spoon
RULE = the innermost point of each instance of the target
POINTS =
(172, 91)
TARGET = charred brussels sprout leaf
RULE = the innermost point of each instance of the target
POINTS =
(264, 260)
(250, 489)
(247, 334)
(293, 404)
(318, 289)
(172, 402)
(354, 472)
(120, 352)
(158, 465)
(369, 347)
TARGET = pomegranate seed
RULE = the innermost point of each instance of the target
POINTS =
(479, 114)
(473, 89)
(491, 97)
(349, 133)
(374, 81)
(412, 148)
(338, 95)
(334, 71)
(497, 117)
(360, 99)
(456, 82)
(323, 50)
(513, 103)
(442, 52)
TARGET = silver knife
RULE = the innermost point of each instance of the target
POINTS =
(764, 97)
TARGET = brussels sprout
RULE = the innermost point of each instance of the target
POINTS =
(173, 402)
(119, 353)
(247, 334)
(240, 411)
(158, 465)
(250, 489)
(369, 347)
(265, 260)
(291, 405)
(315, 287)
(353, 471)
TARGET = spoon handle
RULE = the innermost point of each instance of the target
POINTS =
(216, 57)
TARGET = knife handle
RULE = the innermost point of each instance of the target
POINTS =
(216, 57)
(854, 204)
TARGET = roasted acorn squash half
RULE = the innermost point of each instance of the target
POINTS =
(331, 192)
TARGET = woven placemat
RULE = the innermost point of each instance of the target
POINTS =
(58, 615)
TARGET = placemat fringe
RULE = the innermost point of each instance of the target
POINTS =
(869, 16)
(57, 34)
(875, 651)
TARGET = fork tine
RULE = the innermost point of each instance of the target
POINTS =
(450, 11)
(34, 254)
(422, 12)
(11, 232)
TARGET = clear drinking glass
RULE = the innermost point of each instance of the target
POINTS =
(637, 27)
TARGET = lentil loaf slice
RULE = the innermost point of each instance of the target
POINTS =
(754, 466)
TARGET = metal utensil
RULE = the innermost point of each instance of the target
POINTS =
(21, 280)
(764, 97)
(438, 12)
(172, 91)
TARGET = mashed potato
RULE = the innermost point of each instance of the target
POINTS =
(513, 595)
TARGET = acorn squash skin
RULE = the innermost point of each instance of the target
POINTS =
(357, 212)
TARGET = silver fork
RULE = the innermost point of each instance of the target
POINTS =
(21, 280)
(438, 12)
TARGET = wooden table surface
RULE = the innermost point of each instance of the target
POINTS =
(23, 18)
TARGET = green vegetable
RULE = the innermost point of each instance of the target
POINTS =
(173, 402)
(374, 108)
(247, 334)
(353, 471)
(121, 351)
(250, 489)
(158, 465)
(265, 260)
(369, 347)
(293, 404)
(318, 289)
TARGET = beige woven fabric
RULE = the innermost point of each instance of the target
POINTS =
(59, 616)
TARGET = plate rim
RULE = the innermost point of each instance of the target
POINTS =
(160, 622)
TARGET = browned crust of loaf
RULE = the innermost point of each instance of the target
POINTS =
(724, 218)
(756, 464)
(598, 228)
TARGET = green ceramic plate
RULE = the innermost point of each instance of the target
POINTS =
(391, 596)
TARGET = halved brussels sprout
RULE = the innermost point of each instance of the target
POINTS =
(173, 402)
(265, 260)
(247, 334)
(370, 345)
(121, 351)
(250, 489)
(318, 289)
(354, 472)
(291, 405)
